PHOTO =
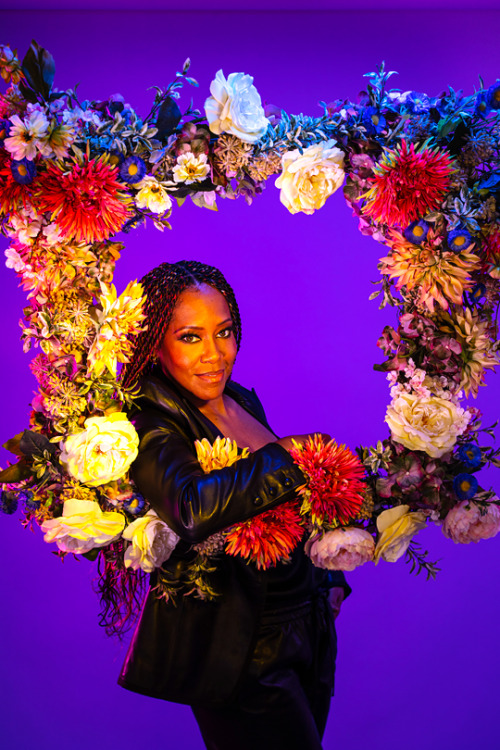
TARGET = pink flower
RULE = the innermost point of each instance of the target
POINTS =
(341, 549)
(465, 523)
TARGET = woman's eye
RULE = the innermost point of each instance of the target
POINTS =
(225, 333)
(189, 338)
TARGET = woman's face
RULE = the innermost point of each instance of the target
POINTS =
(199, 347)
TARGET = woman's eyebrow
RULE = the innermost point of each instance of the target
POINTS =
(200, 328)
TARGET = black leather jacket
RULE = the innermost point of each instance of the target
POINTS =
(195, 651)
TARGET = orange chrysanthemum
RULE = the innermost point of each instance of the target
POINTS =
(333, 494)
(407, 184)
(439, 276)
(268, 538)
(87, 203)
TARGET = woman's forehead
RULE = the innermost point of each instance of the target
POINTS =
(199, 303)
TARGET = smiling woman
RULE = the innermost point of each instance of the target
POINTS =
(307, 351)
(255, 657)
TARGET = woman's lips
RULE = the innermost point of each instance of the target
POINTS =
(212, 377)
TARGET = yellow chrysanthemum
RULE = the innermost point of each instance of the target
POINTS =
(437, 276)
(224, 452)
(120, 319)
(477, 348)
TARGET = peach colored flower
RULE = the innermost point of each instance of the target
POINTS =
(465, 523)
(344, 548)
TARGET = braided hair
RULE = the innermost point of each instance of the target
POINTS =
(122, 589)
(163, 287)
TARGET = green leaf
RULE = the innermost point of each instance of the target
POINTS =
(16, 473)
(34, 444)
(91, 555)
(39, 68)
(12, 445)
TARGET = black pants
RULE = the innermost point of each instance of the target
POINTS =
(283, 700)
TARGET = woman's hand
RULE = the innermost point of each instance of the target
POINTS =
(286, 442)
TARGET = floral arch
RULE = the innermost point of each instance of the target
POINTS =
(422, 176)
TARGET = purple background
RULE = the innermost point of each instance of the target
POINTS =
(419, 661)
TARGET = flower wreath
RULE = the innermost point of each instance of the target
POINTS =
(423, 177)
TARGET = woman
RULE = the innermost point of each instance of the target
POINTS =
(255, 663)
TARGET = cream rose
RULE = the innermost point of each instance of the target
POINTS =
(342, 549)
(308, 179)
(464, 523)
(190, 168)
(103, 451)
(397, 527)
(83, 526)
(429, 424)
(152, 542)
(235, 107)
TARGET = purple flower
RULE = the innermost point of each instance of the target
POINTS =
(417, 232)
(23, 171)
(4, 130)
(417, 103)
(135, 504)
(493, 96)
(458, 240)
(132, 170)
(373, 120)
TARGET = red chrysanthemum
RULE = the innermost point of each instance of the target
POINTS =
(87, 203)
(335, 481)
(492, 252)
(269, 537)
(407, 184)
(14, 197)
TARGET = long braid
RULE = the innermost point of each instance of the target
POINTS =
(163, 286)
(121, 589)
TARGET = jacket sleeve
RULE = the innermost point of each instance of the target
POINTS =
(194, 504)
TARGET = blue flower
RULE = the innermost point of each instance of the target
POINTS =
(417, 231)
(28, 499)
(373, 120)
(132, 170)
(23, 171)
(465, 486)
(8, 502)
(459, 239)
(115, 158)
(481, 107)
(4, 130)
(493, 96)
(470, 455)
(135, 504)
(477, 293)
(417, 103)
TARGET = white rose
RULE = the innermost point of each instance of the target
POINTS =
(83, 526)
(235, 107)
(103, 451)
(308, 179)
(152, 542)
(429, 424)
(397, 527)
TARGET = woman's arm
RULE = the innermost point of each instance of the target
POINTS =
(196, 505)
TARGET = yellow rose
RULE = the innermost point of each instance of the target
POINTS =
(153, 196)
(397, 526)
(83, 526)
(103, 451)
(429, 424)
(152, 542)
(308, 179)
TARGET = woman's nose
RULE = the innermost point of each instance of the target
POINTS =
(211, 351)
